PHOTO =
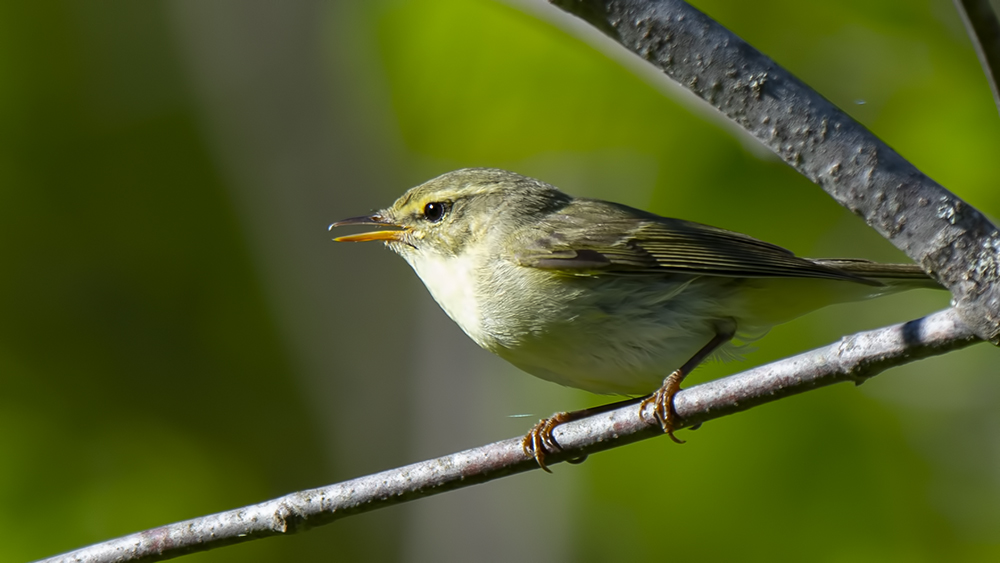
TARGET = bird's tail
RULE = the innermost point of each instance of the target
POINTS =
(895, 276)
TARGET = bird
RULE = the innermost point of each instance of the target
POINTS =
(601, 296)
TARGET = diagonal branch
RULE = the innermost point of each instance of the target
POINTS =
(945, 235)
(855, 358)
(984, 30)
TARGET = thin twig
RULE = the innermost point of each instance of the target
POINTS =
(984, 30)
(855, 358)
(946, 236)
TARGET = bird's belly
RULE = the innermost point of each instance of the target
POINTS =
(603, 363)
(620, 338)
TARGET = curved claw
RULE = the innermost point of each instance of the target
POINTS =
(539, 441)
(663, 405)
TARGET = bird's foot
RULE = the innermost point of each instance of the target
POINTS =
(539, 440)
(662, 402)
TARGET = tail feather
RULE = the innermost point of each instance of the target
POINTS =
(904, 275)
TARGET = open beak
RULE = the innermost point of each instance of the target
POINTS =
(375, 219)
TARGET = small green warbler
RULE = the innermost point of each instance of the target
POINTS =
(601, 296)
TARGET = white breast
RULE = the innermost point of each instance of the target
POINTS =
(451, 281)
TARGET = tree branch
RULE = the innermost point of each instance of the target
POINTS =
(854, 358)
(984, 31)
(945, 235)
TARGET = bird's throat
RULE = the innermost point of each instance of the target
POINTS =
(452, 280)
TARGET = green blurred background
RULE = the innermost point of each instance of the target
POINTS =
(179, 336)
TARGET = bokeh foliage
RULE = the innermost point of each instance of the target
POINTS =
(138, 344)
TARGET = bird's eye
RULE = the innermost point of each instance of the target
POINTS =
(435, 211)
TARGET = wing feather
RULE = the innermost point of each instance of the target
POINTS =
(592, 241)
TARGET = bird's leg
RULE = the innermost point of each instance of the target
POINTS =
(539, 441)
(663, 399)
